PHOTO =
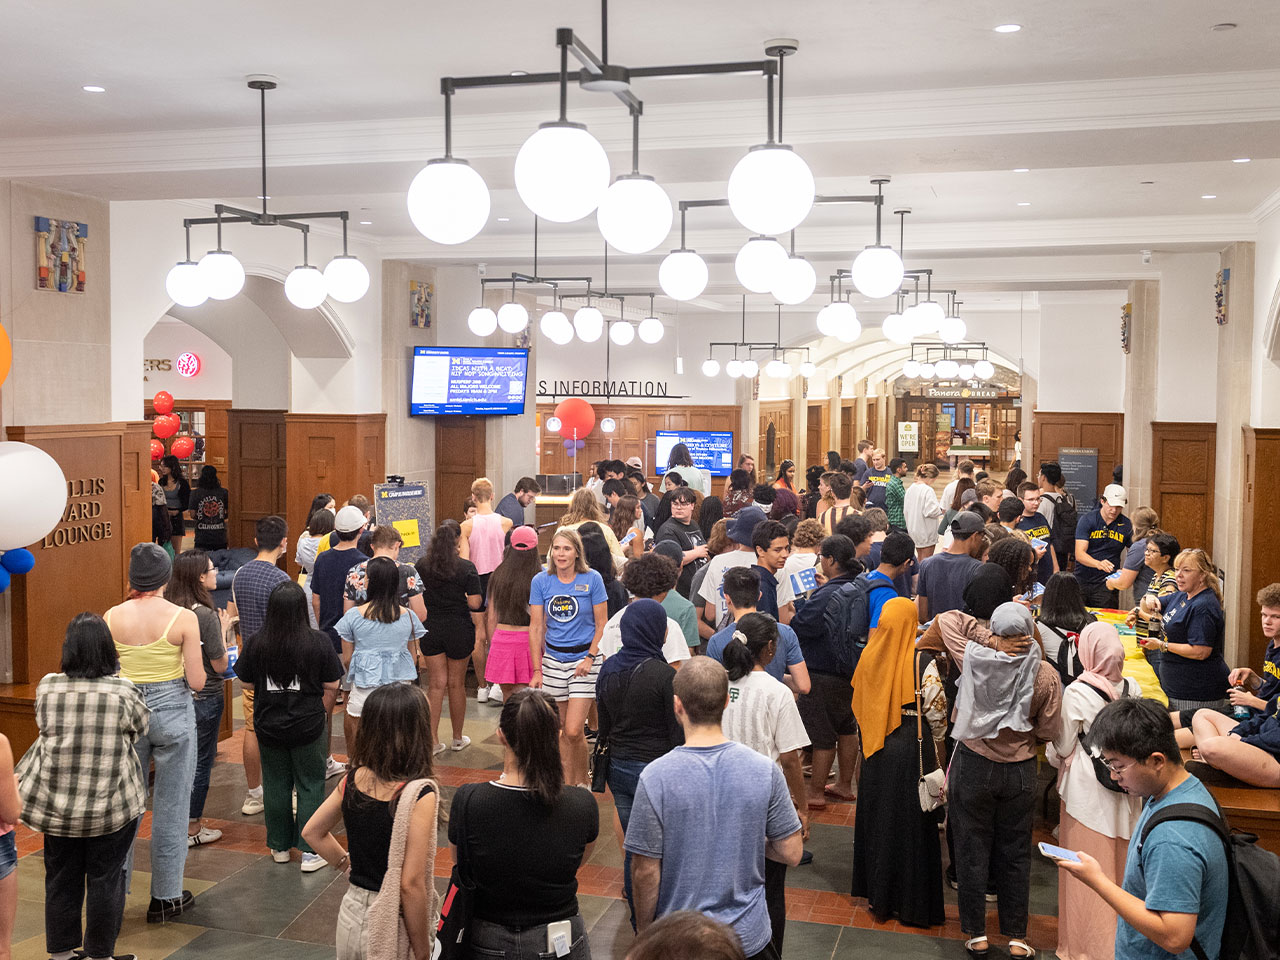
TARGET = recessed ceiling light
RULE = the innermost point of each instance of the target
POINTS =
(1241, 160)
(504, 219)
(261, 197)
(1223, 27)
(1009, 28)
(1024, 203)
(93, 88)
(1021, 170)
(519, 73)
(366, 223)
(1208, 196)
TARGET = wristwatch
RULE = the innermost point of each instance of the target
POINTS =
(1164, 646)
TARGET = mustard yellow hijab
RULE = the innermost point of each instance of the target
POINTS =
(885, 678)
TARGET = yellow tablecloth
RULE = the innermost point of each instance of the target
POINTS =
(1135, 659)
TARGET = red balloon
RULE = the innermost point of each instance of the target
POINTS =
(165, 425)
(576, 418)
(182, 447)
(157, 450)
(163, 402)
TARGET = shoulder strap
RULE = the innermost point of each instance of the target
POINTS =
(169, 626)
(1095, 690)
(1194, 812)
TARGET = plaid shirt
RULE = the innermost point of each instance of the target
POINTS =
(250, 589)
(82, 777)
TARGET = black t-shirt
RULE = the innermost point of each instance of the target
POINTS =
(524, 857)
(446, 599)
(768, 602)
(368, 822)
(291, 715)
(637, 713)
(688, 536)
(1037, 527)
(328, 582)
(210, 508)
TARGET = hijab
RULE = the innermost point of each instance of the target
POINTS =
(990, 587)
(885, 678)
(644, 630)
(1102, 656)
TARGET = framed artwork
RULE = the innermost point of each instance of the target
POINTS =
(60, 255)
(421, 295)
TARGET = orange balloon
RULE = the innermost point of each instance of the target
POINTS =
(162, 402)
(577, 417)
(165, 425)
(6, 354)
(182, 447)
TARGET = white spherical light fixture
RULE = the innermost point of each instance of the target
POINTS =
(929, 316)
(184, 284)
(911, 369)
(682, 275)
(984, 370)
(952, 329)
(794, 282)
(965, 372)
(758, 262)
(773, 369)
(346, 278)
(221, 274)
(926, 371)
(561, 172)
(850, 326)
(555, 326)
(448, 201)
(771, 189)
(807, 369)
(588, 324)
(635, 214)
(710, 367)
(946, 369)
(913, 322)
(513, 317)
(827, 319)
(897, 328)
(733, 368)
(305, 287)
(750, 368)
(651, 330)
(622, 333)
(482, 321)
(877, 271)
(554, 424)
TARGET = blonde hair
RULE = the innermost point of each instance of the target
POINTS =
(580, 556)
(719, 541)
(877, 452)
(1145, 522)
(927, 471)
(1198, 559)
(482, 488)
(583, 506)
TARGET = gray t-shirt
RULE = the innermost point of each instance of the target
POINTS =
(211, 647)
(943, 578)
(699, 810)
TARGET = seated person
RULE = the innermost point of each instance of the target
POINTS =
(1248, 751)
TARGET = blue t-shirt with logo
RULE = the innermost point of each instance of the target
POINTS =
(879, 480)
(1037, 527)
(571, 621)
(1106, 541)
(1270, 672)
(788, 651)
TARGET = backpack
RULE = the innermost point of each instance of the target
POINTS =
(1068, 659)
(1062, 534)
(847, 618)
(1100, 770)
(1251, 930)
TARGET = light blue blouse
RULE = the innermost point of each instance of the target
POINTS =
(381, 649)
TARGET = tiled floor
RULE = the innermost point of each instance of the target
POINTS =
(248, 905)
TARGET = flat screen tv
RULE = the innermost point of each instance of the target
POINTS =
(710, 449)
(470, 381)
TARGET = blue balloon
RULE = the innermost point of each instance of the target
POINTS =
(581, 443)
(572, 452)
(17, 561)
(4, 579)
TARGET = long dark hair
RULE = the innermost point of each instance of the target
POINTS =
(320, 502)
(186, 584)
(531, 726)
(509, 585)
(1062, 605)
(709, 511)
(441, 558)
(662, 512)
(174, 466)
(1018, 559)
(757, 630)
(963, 485)
(679, 457)
(596, 551)
(382, 576)
(1015, 477)
(88, 651)
(394, 739)
(208, 478)
(282, 643)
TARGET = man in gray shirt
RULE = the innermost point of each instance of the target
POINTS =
(943, 576)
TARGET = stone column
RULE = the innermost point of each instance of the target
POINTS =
(1141, 368)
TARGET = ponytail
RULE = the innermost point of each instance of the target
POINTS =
(531, 725)
(752, 636)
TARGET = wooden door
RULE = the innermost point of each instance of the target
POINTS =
(818, 433)
(848, 434)
(256, 471)
(1008, 421)
(459, 461)
(872, 426)
(1104, 431)
(1261, 560)
(774, 438)
(1182, 480)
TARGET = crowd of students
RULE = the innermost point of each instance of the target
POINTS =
(722, 669)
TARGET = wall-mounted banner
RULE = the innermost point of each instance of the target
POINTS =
(606, 388)
(961, 393)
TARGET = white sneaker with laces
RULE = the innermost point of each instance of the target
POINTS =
(461, 744)
(482, 694)
(311, 862)
(334, 768)
(252, 804)
(206, 835)
(280, 856)
(495, 694)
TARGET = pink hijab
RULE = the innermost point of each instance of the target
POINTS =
(1102, 656)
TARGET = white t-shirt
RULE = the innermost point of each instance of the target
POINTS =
(921, 510)
(714, 579)
(949, 494)
(795, 563)
(762, 714)
(673, 648)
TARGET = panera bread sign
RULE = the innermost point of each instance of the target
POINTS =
(961, 393)
(82, 519)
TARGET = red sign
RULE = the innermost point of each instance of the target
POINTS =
(187, 365)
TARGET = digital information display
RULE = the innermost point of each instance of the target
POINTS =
(712, 450)
(468, 381)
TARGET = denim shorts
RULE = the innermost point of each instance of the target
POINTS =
(8, 854)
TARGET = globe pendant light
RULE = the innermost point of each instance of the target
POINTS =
(650, 330)
(555, 326)
(929, 316)
(774, 369)
(771, 189)
(305, 287)
(184, 285)
(911, 369)
(622, 333)
(897, 328)
(946, 368)
(848, 328)
(984, 370)
(221, 274)
(807, 369)
(346, 278)
(926, 371)
(877, 272)
(635, 214)
(952, 330)
(911, 323)
(827, 323)
(750, 368)
(513, 317)
(965, 372)
(710, 367)
(682, 275)
(448, 201)
(758, 262)
(733, 368)
(794, 282)
(588, 323)
(482, 321)
(561, 172)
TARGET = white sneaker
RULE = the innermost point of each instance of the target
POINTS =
(206, 835)
(311, 862)
(482, 694)
(461, 744)
(252, 804)
(334, 768)
(280, 856)
(438, 749)
(495, 693)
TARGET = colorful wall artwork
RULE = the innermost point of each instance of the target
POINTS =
(60, 255)
(421, 296)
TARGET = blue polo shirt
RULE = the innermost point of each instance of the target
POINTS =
(1106, 541)
(787, 655)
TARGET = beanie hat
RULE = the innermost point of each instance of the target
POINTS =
(149, 567)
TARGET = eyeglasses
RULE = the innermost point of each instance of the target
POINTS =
(211, 570)
(1117, 767)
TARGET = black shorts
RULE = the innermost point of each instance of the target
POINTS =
(484, 591)
(455, 641)
(176, 523)
(827, 710)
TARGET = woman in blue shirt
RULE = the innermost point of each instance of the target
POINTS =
(379, 640)
(567, 614)
(1192, 669)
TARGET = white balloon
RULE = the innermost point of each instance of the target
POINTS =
(33, 494)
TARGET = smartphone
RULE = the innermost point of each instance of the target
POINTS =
(1059, 853)
(560, 937)
(1038, 543)
(627, 539)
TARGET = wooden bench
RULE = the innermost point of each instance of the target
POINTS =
(1251, 810)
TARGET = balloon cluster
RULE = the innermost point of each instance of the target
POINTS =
(33, 497)
(576, 418)
(165, 425)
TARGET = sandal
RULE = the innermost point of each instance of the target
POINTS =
(842, 797)
(1023, 945)
(979, 954)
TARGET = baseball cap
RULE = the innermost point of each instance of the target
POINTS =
(349, 519)
(524, 538)
(669, 549)
(634, 462)
(1114, 495)
(966, 524)
(743, 522)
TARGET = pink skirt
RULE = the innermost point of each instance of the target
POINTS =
(1086, 925)
(509, 658)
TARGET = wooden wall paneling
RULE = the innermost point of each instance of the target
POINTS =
(1261, 561)
(1105, 431)
(871, 429)
(1183, 464)
(818, 432)
(256, 472)
(848, 434)
(774, 438)
(459, 460)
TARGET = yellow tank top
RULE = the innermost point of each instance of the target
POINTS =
(153, 662)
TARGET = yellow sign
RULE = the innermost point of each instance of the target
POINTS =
(409, 530)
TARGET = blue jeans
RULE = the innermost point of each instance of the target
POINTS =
(624, 778)
(171, 742)
(208, 708)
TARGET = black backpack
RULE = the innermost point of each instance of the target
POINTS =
(1062, 534)
(1252, 927)
(1068, 659)
(847, 618)
(1100, 770)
